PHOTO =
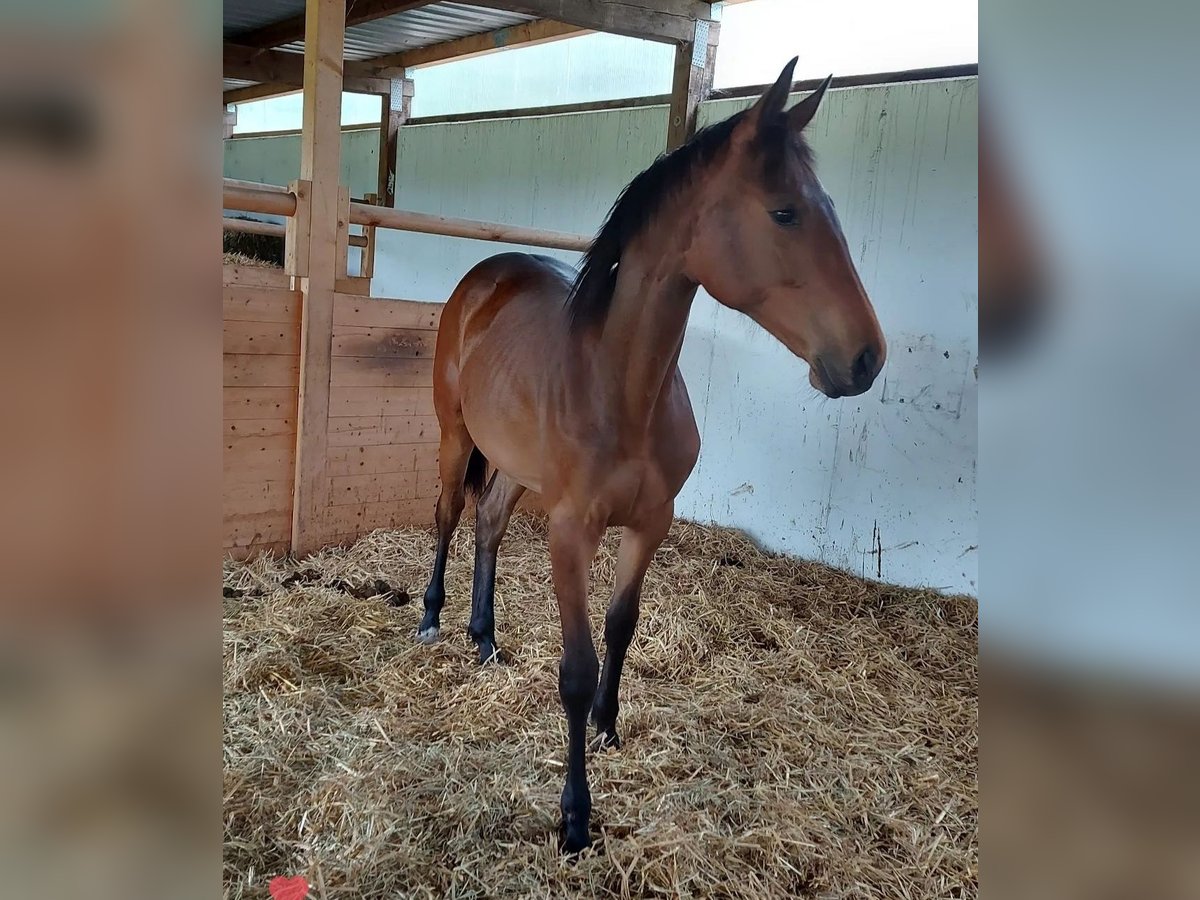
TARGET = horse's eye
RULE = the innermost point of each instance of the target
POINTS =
(785, 216)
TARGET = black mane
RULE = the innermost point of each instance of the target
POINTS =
(592, 291)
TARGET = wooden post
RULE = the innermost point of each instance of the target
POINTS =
(320, 165)
(692, 81)
(397, 106)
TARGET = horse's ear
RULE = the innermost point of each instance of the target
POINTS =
(770, 105)
(802, 113)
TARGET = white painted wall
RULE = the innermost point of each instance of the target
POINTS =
(833, 480)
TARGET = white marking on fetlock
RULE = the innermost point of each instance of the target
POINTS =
(428, 635)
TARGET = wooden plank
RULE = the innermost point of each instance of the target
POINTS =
(396, 343)
(527, 34)
(252, 529)
(260, 337)
(240, 427)
(370, 311)
(356, 431)
(275, 466)
(273, 403)
(257, 304)
(382, 488)
(353, 286)
(263, 496)
(659, 20)
(360, 518)
(341, 237)
(320, 164)
(296, 232)
(366, 260)
(274, 548)
(246, 461)
(255, 276)
(261, 370)
(378, 371)
(382, 458)
(293, 29)
(348, 402)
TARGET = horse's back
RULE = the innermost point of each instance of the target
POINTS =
(494, 285)
(499, 337)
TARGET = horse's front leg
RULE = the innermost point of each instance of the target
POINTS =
(638, 543)
(573, 543)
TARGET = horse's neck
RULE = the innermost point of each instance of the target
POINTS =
(643, 331)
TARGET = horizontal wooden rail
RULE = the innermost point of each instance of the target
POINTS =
(264, 199)
(425, 223)
(274, 229)
(255, 186)
(253, 226)
(272, 200)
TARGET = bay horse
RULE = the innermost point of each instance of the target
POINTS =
(569, 385)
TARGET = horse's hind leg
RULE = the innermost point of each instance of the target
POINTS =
(491, 521)
(454, 457)
(638, 544)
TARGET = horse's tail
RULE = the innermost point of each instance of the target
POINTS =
(476, 477)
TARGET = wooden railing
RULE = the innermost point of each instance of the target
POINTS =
(279, 201)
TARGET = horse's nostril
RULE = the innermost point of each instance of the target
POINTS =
(864, 368)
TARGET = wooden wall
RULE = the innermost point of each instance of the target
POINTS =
(383, 435)
(260, 387)
(381, 463)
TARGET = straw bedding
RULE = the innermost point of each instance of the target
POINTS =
(789, 730)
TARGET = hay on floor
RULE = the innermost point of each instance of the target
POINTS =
(234, 258)
(789, 731)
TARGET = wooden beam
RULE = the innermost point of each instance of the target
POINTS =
(320, 165)
(265, 199)
(657, 20)
(532, 112)
(426, 223)
(527, 34)
(691, 82)
(278, 67)
(292, 202)
(274, 229)
(396, 109)
(289, 31)
(256, 92)
(252, 226)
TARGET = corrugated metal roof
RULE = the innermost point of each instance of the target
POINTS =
(421, 27)
(245, 15)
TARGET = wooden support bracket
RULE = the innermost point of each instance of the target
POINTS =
(296, 237)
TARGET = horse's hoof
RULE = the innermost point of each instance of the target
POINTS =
(573, 839)
(605, 740)
(490, 653)
(428, 635)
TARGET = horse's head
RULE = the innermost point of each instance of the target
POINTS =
(769, 244)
